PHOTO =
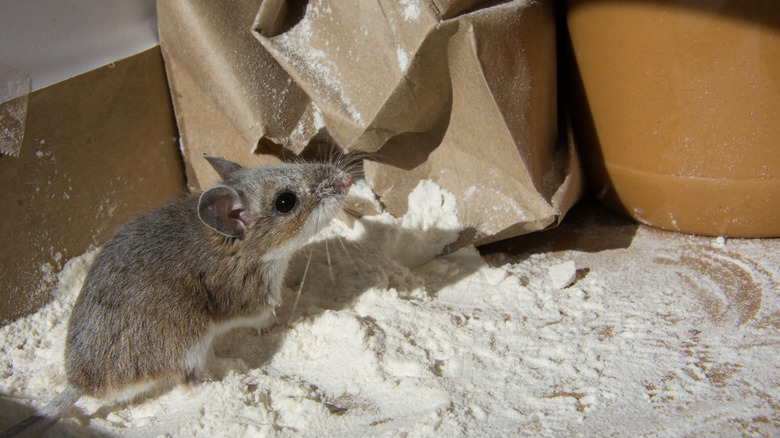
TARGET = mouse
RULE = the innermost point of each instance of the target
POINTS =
(169, 281)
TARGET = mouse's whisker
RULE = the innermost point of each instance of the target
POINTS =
(305, 271)
(336, 156)
(330, 265)
(327, 255)
(349, 161)
(346, 252)
(300, 288)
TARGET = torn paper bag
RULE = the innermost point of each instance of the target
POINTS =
(459, 92)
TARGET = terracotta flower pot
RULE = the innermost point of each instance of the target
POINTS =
(677, 110)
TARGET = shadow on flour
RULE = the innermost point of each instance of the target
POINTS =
(398, 263)
(12, 412)
(588, 227)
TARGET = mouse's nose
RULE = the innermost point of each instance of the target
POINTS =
(334, 185)
(343, 184)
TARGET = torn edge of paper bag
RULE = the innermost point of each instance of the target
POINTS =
(14, 89)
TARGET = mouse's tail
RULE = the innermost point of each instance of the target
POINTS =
(37, 423)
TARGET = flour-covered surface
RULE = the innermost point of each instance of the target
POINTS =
(656, 334)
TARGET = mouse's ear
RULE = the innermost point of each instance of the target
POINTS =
(223, 167)
(221, 209)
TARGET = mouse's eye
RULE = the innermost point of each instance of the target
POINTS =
(285, 202)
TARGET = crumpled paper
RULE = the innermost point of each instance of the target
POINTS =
(459, 92)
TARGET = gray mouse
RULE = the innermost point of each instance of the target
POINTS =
(169, 281)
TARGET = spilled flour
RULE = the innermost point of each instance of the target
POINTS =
(657, 334)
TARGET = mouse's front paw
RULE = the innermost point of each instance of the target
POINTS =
(196, 377)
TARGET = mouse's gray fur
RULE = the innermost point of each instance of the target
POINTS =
(171, 280)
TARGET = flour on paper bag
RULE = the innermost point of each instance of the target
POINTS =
(467, 100)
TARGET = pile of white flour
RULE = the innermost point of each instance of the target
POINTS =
(672, 335)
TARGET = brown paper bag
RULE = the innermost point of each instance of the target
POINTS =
(443, 90)
(230, 96)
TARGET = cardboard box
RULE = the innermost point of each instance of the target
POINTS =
(98, 149)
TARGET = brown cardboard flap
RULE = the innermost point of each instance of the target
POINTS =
(459, 92)
(98, 149)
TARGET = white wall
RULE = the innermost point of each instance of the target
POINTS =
(52, 40)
